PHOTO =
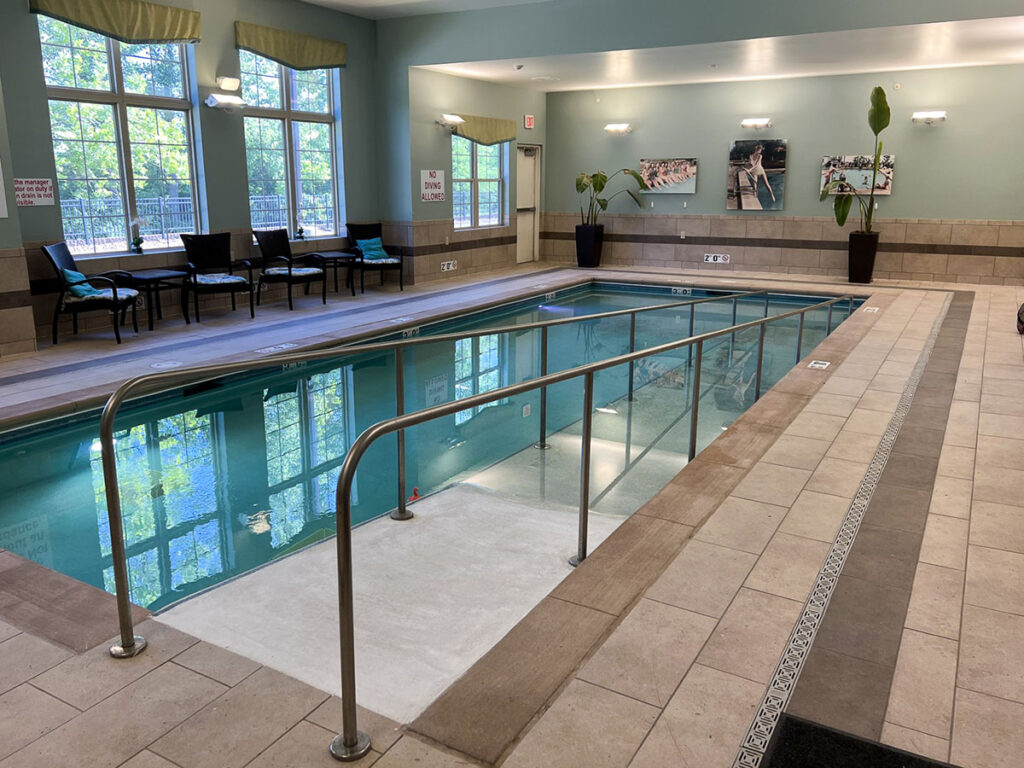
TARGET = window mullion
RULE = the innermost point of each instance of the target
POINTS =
(121, 104)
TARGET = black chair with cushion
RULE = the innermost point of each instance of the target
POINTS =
(86, 293)
(366, 243)
(211, 270)
(279, 266)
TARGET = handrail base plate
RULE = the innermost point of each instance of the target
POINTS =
(350, 754)
(118, 651)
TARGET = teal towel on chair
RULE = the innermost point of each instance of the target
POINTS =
(81, 290)
(373, 249)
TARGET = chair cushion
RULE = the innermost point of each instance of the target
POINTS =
(219, 278)
(78, 291)
(370, 263)
(296, 271)
(373, 249)
(104, 294)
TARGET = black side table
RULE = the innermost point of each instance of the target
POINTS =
(151, 282)
(336, 259)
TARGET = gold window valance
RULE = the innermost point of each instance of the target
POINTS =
(289, 48)
(130, 21)
(486, 130)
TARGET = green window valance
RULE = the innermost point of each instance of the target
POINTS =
(130, 21)
(486, 130)
(289, 48)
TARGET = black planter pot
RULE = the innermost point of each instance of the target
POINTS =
(589, 239)
(863, 246)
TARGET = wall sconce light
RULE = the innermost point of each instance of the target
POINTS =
(756, 122)
(618, 129)
(229, 83)
(929, 118)
(226, 101)
(450, 120)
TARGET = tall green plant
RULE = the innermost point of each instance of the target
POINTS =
(593, 184)
(878, 121)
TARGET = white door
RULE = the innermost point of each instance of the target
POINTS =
(527, 195)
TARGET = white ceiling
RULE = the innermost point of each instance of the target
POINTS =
(918, 46)
(389, 9)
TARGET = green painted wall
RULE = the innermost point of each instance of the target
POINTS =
(221, 134)
(572, 26)
(960, 169)
(433, 93)
(10, 230)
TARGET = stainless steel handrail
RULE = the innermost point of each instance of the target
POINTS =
(351, 744)
(131, 644)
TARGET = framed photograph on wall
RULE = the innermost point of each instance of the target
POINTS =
(757, 175)
(853, 172)
(676, 175)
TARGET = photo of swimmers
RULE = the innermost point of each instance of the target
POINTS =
(676, 175)
(757, 175)
(853, 172)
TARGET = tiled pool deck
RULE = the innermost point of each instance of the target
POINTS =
(659, 649)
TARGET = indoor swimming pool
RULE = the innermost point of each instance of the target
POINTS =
(223, 476)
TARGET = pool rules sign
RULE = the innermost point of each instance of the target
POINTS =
(432, 186)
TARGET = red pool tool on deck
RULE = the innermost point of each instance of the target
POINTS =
(415, 493)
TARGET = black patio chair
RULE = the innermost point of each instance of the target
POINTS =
(211, 270)
(274, 247)
(107, 296)
(394, 259)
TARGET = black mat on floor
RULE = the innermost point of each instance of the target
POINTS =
(798, 743)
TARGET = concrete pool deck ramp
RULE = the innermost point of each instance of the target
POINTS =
(432, 595)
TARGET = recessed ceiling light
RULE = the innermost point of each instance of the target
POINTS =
(544, 78)
(712, 66)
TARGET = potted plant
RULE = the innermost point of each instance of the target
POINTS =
(590, 234)
(137, 242)
(864, 242)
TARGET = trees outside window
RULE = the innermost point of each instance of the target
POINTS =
(290, 145)
(120, 118)
(478, 178)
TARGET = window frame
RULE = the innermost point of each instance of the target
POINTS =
(288, 115)
(121, 100)
(474, 182)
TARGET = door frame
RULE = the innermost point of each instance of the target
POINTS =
(539, 148)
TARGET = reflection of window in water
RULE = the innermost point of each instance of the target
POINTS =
(167, 471)
(308, 431)
(478, 363)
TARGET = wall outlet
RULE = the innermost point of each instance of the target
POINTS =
(446, 239)
(449, 266)
(682, 235)
(684, 203)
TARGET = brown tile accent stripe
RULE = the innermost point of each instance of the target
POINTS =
(846, 679)
(462, 245)
(56, 607)
(779, 242)
(483, 712)
(13, 299)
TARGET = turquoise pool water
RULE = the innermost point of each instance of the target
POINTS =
(225, 476)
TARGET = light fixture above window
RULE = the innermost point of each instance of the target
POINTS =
(756, 122)
(618, 129)
(226, 101)
(929, 117)
(450, 120)
(229, 83)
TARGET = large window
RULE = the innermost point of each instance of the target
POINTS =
(478, 177)
(290, 143)
(121, 125)
(477, 370)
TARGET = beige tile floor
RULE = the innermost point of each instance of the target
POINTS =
(723, 608)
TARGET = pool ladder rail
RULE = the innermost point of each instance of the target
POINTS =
(352, 744)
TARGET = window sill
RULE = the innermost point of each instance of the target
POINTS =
(125, 254)
(488, 228)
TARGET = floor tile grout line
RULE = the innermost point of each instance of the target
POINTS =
(783, 682)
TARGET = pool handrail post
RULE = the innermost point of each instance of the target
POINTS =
(799, 336)
(542, 443)
(760, 358)
(351, 744)
(130, 644)
(695, 407)
(400, 512)
(766, 298)
(732, 336)
(632, 348)
(689, 349)
(586, 433)
(828, 322)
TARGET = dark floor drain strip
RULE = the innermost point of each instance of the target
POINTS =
(783, 683)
